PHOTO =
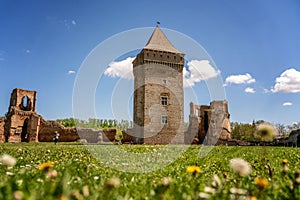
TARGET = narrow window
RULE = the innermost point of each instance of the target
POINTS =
(164, 119)
(174, 57)
(164, 101)
(164, 81)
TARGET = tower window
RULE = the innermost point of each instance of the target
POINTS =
(164, 119)
(154, 55)
(174, 57)
(164, 100)
(161, 55)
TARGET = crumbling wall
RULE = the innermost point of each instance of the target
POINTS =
(127, 136)
(109, 135)
(208, 124)
(2, 122)
(48, 128)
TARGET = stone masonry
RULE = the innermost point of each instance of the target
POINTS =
(158, 92)
(23, 124)
(208, 124)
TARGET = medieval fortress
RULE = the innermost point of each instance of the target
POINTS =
(158, 107)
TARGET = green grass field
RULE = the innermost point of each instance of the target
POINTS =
(81, 176)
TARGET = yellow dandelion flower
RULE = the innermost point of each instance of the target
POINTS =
(284, 161)
(46, 166)
(261, 182)
(193, 169)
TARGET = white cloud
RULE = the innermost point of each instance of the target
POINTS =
(287, 104)
(27, 51)
(197, 71)
(74, 22)
(249, 90)
(289, 81)
(122, 69)
(71, 72)
(239, 79)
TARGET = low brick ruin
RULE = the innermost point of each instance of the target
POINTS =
(23, 124)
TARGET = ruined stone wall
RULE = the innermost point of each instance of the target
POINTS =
(213, 123)
(47, 131)
(218, 128)
(2, 122)
(48, 128)
(127, 136)
(17, 98)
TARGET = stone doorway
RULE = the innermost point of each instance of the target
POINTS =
(24, 133)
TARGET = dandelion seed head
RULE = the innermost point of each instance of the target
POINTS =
(265, 131)
(7, 160)
(240, 166)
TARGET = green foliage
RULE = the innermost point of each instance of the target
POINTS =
(95, 123)
(243, 131)
(82, 176)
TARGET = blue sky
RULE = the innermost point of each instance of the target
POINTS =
(43, 44)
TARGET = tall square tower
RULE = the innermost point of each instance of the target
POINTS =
(158, 92)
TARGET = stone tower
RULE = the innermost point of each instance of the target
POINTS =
(22, 121)
(158, 92)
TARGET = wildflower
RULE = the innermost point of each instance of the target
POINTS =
(297, 177)
(209, 190)
(193, 169)
(225, 175)
(96, 177)
(266, 132)
(18, 195)
(166, 181)
(261, 182)
(251, 198)
(216, 183)
(46, 166)
(63, 197)
(284, 161)
(85, 191)
(237, 191)
(19, 182)
(240, 166)
(9, 173)
(8, 160)
(203, 195)
(112, 183)
(51, 174)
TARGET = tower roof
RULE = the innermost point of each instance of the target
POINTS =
(159, 41)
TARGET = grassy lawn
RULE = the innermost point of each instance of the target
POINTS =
(77, 172)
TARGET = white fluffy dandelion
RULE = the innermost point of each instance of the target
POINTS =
(240, 166)
(8, 160)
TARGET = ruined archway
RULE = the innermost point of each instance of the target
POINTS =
(24, 133)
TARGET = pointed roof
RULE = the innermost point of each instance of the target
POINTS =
(159, 41)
